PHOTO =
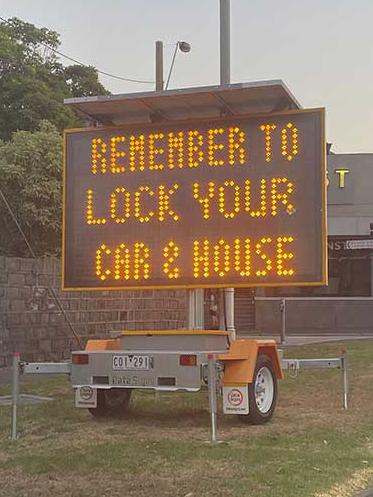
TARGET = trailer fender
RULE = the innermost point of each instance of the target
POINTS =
(240, 360)
(110, 344)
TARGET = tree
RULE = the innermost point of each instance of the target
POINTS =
(33, 83)
(82, 81)
(30, 179)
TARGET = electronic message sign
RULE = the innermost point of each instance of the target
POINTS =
(238, 201)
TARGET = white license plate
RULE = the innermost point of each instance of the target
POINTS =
(131, 362)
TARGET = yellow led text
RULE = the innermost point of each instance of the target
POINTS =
(175, 149)
(289, 141)
(245, 257)
(268, 128)
(91, 219)
(123, 262)
(231, 198)
(171, 252)
(143, 205)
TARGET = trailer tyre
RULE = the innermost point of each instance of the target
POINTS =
(262, 392)
(113, 402)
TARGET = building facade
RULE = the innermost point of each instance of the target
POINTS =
(346, 304)
(350, 224)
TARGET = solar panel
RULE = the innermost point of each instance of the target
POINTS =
(189, 103)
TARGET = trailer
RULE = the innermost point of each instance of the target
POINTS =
(243, 372)
(107, 371)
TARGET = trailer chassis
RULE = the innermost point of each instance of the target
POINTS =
(212, 370)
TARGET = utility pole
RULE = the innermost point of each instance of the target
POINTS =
(159, 66)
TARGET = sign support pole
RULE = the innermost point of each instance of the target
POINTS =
(211, 374)
(221, 308)
(225, 39)
(229, 309)
(195, 318)
(225, 79)
(191, 310)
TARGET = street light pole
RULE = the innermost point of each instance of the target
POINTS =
(183, 46)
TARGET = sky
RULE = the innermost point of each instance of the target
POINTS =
(322, 49)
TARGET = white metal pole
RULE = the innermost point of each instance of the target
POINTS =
(229, 310)
(225, 79)
(15, 394)
(195, 318)
(221, 307)
(191, 317)
(211, 378)
(344, 380)
(199, 302)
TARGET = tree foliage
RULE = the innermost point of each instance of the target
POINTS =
(34, 83)
(30, 172)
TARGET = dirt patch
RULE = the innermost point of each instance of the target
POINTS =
(357, 482)
(16, 483)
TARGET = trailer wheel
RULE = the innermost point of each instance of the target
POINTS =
(262, 392)
(111, 402)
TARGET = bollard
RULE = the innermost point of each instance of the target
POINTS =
(211, 375)
(15, 394)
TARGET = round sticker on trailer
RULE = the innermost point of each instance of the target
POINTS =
(235, 397)
(85, 396)
(86, 393)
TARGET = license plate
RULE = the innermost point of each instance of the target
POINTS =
(131, 362)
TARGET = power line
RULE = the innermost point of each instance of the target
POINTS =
(131, 80)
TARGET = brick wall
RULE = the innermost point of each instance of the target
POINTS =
(32, 323)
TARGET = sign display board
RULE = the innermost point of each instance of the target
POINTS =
(236, 202)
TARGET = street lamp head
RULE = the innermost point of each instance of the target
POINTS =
(184, 46)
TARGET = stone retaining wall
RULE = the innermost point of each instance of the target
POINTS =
(32, 323)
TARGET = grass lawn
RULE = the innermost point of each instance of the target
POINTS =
(311, 448)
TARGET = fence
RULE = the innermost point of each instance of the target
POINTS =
(314, 315)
